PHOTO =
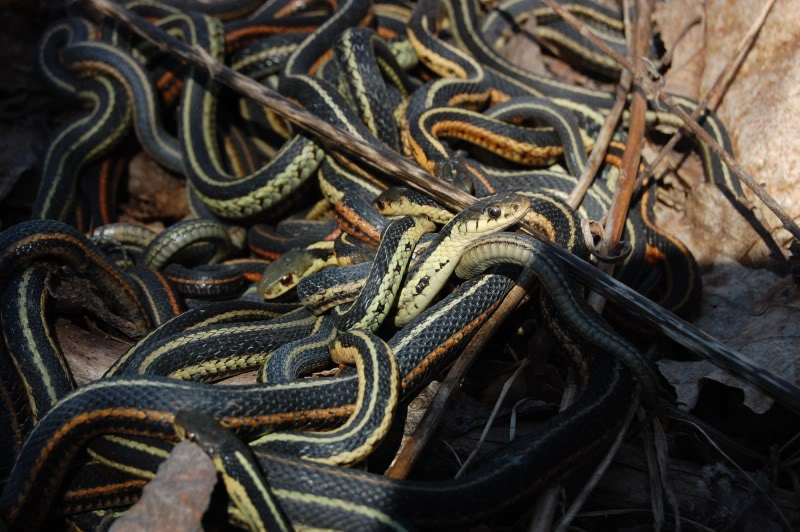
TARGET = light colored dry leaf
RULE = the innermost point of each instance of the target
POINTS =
(176, 499)
(88, 355)
(680, 24)
(416, 411)
(762, 106)
(523, 51)
(753, 311)
(719, 231)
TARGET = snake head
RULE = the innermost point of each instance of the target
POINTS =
(201, 429)
(284, 273)
(492, 214)
(454, 171)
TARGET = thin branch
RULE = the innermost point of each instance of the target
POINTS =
(662, 454)
(653, 474)
(654, 91)
(680, 331)
(667, 58)
(713, 96)
(400, 168)
(633, 146)
(620, 204)
(545, 511)
(601, 143)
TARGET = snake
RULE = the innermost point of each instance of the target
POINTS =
(355, 291)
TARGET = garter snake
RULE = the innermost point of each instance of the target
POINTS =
(283, 274)
(118, 90)
(134, 238)
(519, 82)
(374, 301)
(510, 81)
(214, 281)
(30, 339)
(30, 253)
(559, 37)
(212, 352)
(563, 293)
(438, 261)
(142, 405)
(356, 217)
(44, 240)
(167, 244)
(362, 58)
(81, 141)
(403, 201)
(270, 243)
(420, 347)
(158, 295)
(315, 495)
(146, 405)
(225, 195)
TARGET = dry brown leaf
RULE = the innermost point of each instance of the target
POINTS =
(717, 232)
(418, 407)
(680, 24)
(88, 355)
(749, 310)
(761, 107)
(154, 192)
(523, 51)
(176, 499)
(753, 311)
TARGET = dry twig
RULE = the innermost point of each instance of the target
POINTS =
(609, 126)
(545, 510)
(601, 143)
(615, 219)
(633, 147)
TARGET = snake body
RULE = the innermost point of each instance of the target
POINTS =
(355, 282)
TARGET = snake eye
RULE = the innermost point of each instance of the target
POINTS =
(494, 212)
(379, 204)
(287, 279)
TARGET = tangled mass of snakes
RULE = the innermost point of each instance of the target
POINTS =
(343, 292)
